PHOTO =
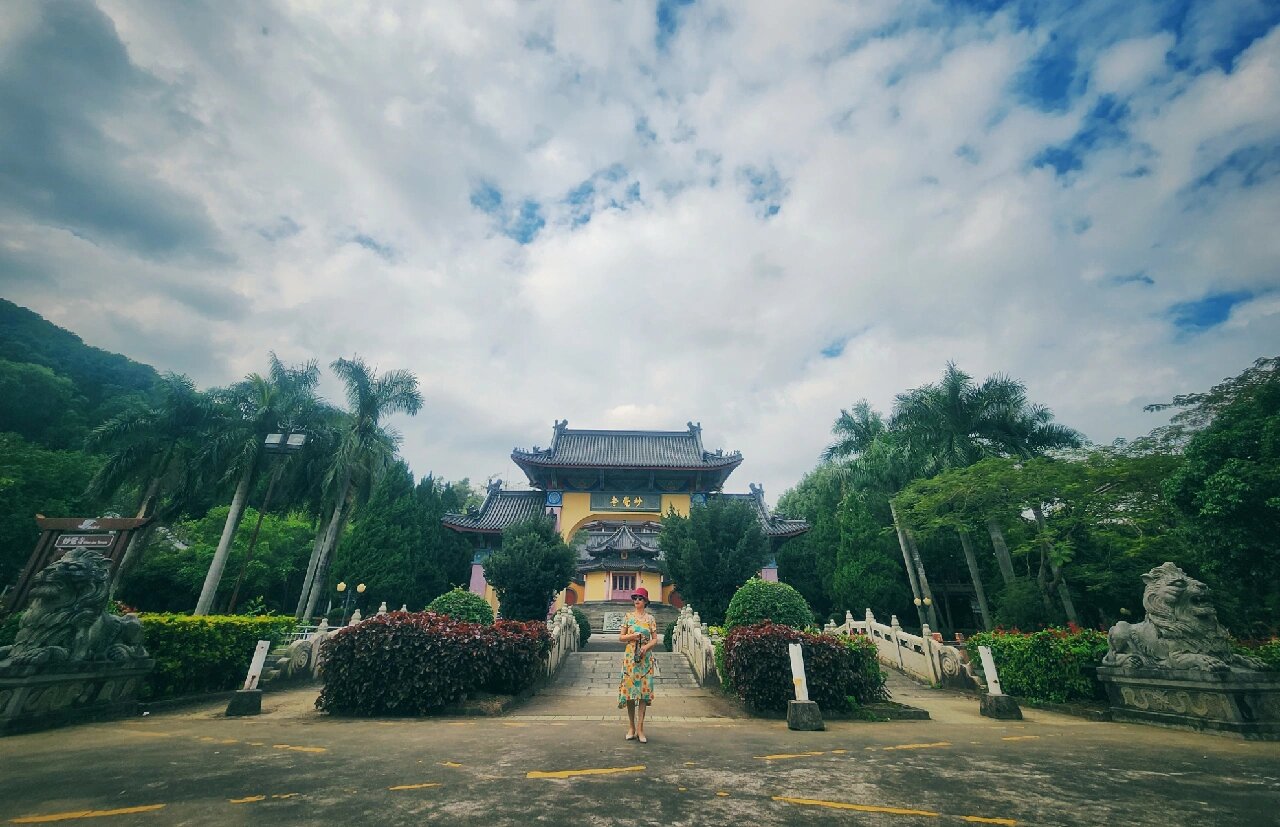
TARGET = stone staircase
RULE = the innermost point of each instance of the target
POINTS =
(664, 613)
(597, 673)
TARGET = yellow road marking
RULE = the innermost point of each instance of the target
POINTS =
(862, 808)
(285, 795)
(415, 786)
(921, 746)
(783, 755)
(839, 751)
(255, 743)
(1020, 738)
(147, 734)
(570, 773)
(683, 789)
(691, 763)
(450, 764)
(249, 799)
(123, 811)
(1008, 822)
(722, 793)
(300, 749)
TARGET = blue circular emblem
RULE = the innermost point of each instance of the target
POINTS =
(699, 499)
(554, 498)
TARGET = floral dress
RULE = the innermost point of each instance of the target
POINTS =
(637, 673)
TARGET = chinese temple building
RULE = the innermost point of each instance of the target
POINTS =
(607, 492)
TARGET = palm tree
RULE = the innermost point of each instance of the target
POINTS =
(253, 408)
(154, 448)
(956, 422)
(875, 459)
(366, 449)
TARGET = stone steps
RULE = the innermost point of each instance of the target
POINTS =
(598, 673)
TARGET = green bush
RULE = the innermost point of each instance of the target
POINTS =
(584, 626)
(1268, 652)
(404, 663)
(760, 600)
(460, 604)
(668, 637)
(210, 653)
(840, 671)
(1051, 665)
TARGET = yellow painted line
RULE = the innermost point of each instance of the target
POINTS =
(571, 773)
(691, 763)
(450, 764)
(300, 749)
(1020, 738)
(123, 811)
(921, 746)
(148, 734)
(415, 786)
(1008, 822)
(683, 789)
(255, 743)
(839, 751)
(862, 808)
(782, 755)
(722, 793)
(247, 799)
(285, 795)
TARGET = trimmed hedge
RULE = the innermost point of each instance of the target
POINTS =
(584, 625)
(210, 653)
(1052, 665)
(404, 663)
(461, 604)
(842, 672)
(1268, 652)
(759, 600)
(668, 637)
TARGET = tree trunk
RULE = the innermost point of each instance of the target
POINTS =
(971, 559)
(253, 542)
(1003, 557)
(908, 562)
(1064, 594)
(210, 588)
(311, 571)
(930, 606)
(330, 540)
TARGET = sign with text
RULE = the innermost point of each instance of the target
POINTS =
(84, 540)
(626, 502)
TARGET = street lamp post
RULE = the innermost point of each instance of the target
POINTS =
(346, 604)
(288, 442)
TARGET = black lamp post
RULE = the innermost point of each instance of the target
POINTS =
(346, 604)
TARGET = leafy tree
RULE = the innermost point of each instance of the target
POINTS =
(461, 604)
(808, 562)
(712, 552)
(529, 569)
(366, 448)
(868, 571)
(1228, 490)
(40, 406)
(36, 480)
(759, 600)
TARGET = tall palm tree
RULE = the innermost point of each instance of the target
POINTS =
(367, 447)
(873, 458)
(957, 422)
(285, 399)
(154, 448)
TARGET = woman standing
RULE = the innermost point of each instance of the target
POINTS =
(640, 633)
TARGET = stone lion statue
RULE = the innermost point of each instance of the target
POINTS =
(66, 622)
(1181, 630)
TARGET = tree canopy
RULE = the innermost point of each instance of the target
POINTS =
(530, 568)
(712, 552)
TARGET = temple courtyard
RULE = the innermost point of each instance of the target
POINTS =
(560, 758)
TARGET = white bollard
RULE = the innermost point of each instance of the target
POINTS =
(797, 671)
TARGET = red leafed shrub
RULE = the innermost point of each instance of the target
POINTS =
(404, 663)
(840, 671)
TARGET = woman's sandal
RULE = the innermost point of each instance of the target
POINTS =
(631, 736)
(643, 739)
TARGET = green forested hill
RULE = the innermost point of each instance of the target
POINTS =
(98, 375)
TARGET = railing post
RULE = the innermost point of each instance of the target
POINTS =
(896, 629)
(930, 654)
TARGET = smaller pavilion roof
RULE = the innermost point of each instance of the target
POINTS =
(499, 510)
(622, 539)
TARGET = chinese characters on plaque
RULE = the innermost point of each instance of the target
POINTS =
(607, 501)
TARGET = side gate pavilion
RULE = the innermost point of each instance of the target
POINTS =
(607, 492)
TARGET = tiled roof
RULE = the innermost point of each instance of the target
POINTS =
(624, 539)
(614, 562)
(627, 449)
(773, 526)
(500, 509)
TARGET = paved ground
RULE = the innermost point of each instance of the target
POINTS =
(550, 762)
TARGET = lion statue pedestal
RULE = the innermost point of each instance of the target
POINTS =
(1177, 668)
(71, 660)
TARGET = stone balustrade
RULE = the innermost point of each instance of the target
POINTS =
(692, 640)
(921, 656)
(563, 626)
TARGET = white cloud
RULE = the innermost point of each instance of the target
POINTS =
(913, 224)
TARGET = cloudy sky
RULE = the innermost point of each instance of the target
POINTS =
(632, 214)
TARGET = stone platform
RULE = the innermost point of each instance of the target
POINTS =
(1241, 703)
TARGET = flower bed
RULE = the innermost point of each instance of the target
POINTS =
(404, 663)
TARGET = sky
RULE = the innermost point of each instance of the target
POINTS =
(631, 214)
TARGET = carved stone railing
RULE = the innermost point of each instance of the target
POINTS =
(692, 640)
(920, 656)
(564, 639)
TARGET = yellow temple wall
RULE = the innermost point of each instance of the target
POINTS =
(576, 510)
(597, 586)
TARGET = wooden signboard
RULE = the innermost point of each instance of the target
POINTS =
(58, 535)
